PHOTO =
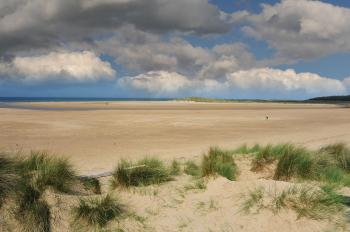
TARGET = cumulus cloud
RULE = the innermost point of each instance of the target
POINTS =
(347, 83)
(68, 66)
(301, 29)
(275, 80)
(267, 82)
(27, 24)
(157, 82)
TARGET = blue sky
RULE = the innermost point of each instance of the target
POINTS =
(289, 49)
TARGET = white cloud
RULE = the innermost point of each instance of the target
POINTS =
(302, 29)
(268, 79)
(270, 83)
(158, 82)
(347, 83)
(69, 66)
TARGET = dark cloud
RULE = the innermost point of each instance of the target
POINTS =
(30, 24)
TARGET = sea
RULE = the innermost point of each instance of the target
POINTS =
(76, 99)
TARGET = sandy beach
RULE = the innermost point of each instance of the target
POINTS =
(95, 135)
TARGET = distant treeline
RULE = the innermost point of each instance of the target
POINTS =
(331, 98)
(335, 99)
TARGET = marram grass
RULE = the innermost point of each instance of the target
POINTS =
(45, 171)
(142, 173)
(219, 162)
(97, 212)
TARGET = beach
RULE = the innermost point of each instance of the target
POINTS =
(96, 135)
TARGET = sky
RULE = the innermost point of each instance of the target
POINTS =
(242, 49)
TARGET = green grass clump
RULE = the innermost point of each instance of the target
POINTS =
(219, 162)
(97, 212)
(91, 183)
(191, 168)
(244, 149)
(46, 171)
(294, 162)
(175, 168)
(266, 155)
(340, 153)
(145, 172)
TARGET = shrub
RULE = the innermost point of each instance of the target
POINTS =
(97, 212)
(92, 184)
(48, 171)
(191, 168)
(145, 172)
(219, 162)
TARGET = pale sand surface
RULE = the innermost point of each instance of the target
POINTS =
(95, 135)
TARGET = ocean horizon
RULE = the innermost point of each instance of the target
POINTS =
(76, 99)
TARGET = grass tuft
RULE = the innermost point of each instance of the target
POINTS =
(255, 199)
(145, 172)
(340, 153)
(175, 168)
(191, 168)
(97, 212)
(219, 162)
(32, 213)
(306, 201)
(294, 162)
(8, 178)
(92, 184)
(266, 155)
(244, 149)
(46, 171)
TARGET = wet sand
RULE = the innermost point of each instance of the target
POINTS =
(95, 135)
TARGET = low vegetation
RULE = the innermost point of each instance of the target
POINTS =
(306, 201)
(219, 162)
(44, 171)
(175, 168)
(142, 173)
(32, 213)
(97, 212)
(329, 164)
(8, 177)
(92, 184)
(191, 168)
(24, 180)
